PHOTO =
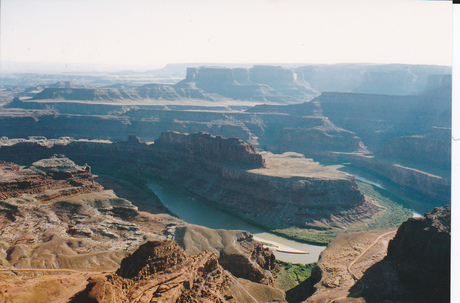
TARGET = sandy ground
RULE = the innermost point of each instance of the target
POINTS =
(279, 247)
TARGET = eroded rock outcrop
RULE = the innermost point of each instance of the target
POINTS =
(55, 216)
(237, 251)
(411, 264)
(161, 271)
(49, 179)
(420, 253)
(54, 225)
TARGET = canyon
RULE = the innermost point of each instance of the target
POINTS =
(339, 155)
(286, 190)
(59, 224)
(327, 126)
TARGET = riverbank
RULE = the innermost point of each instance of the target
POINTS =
(289, 244)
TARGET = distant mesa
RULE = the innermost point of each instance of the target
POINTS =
(260, 83)
(264, 83)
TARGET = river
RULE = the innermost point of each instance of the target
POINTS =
(196, 211)
(417, 203)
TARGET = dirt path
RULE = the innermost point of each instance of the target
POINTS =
(352, 274)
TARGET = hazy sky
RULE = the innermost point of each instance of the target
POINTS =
(152, 33)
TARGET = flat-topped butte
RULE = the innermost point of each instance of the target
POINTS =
(292, 165)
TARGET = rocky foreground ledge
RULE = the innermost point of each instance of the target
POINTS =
(59, 228)
(275, 191)
(161, 271)
(411, 264)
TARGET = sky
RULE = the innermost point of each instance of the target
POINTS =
(152, 33)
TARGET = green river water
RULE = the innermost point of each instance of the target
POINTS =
(194, 210)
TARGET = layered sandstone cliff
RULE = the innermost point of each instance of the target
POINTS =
(261, 83)
(203, 147)
(431, 149)
(287, 190)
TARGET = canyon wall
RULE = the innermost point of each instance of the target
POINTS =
(389, 79)
(261, 83)
(434, 148)
(288, 191)
(428, 184)
(207, 148)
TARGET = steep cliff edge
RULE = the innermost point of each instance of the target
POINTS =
(260, 83)
(288, 190)
(411, 264)
(203, 147)
(420, 253)
(276, 191)
(432, 149)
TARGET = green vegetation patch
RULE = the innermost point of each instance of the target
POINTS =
(293, 274)
(396, 210)
(309, 236)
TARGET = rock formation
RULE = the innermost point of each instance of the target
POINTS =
(57, 173)
(433, 149)
(162, 272)
(287, 190)
(57, 222)
(420, 254)
(283, 80)
(357, 125)
(434, 186)
(54, 215)
(237, 251)
(414, 266)
(262, 83)
(203, 147)
(389, 79)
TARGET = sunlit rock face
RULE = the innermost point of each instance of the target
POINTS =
(160, 271)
